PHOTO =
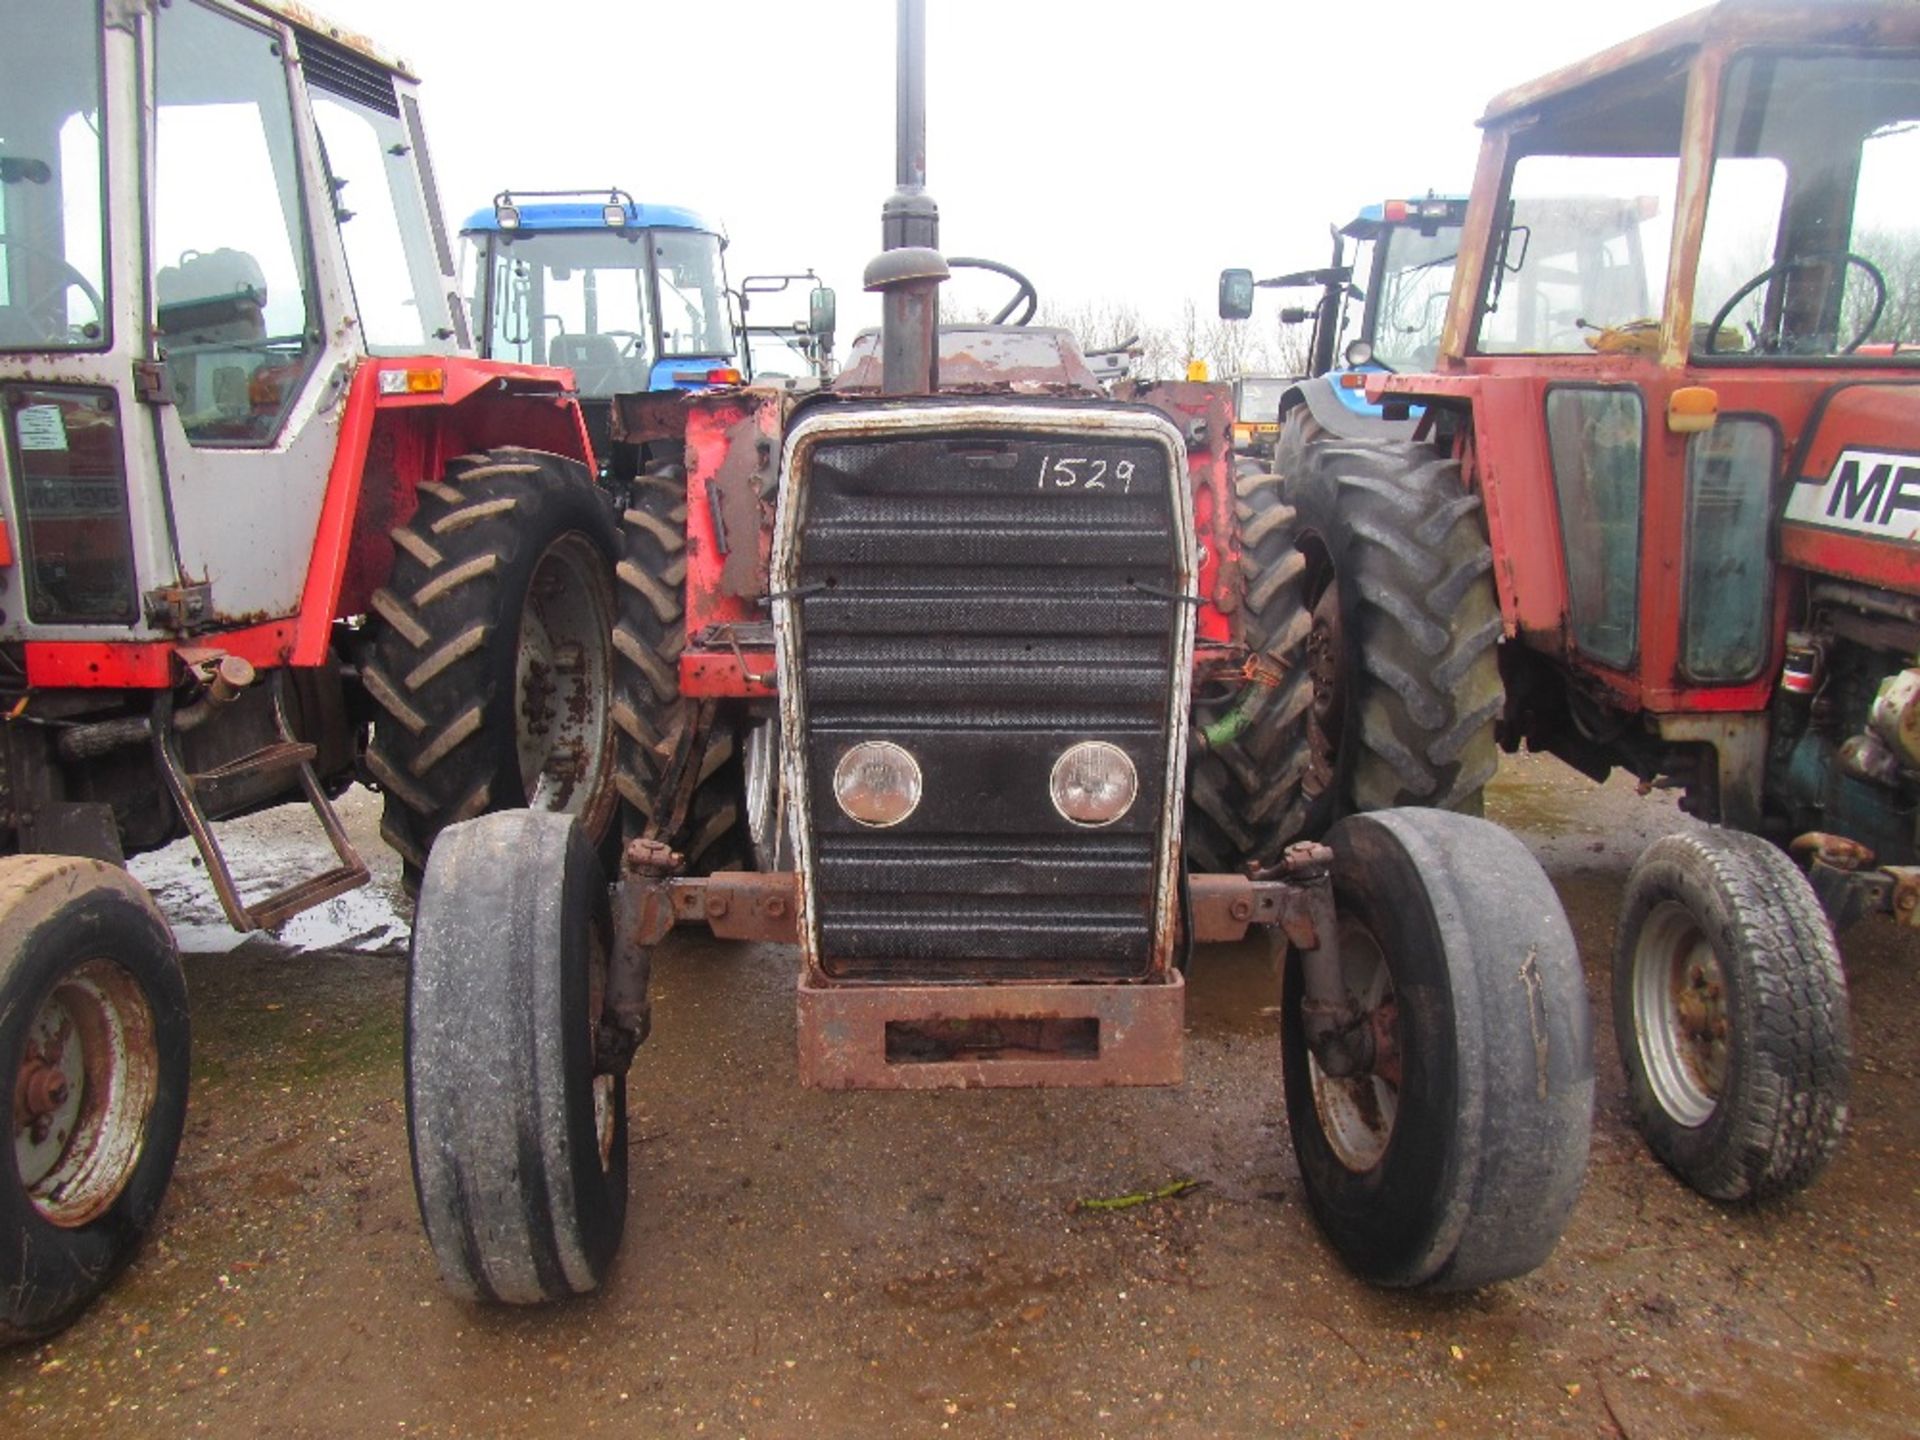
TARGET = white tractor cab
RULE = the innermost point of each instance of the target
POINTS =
(632, 297)
(265, 527)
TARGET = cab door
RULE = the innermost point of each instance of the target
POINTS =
(247, 313)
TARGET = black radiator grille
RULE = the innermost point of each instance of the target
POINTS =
(963, 603)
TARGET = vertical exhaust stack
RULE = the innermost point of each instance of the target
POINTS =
(909, 269)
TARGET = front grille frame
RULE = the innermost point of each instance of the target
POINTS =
(920, 416)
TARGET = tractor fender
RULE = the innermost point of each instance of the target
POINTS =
(1324, 405)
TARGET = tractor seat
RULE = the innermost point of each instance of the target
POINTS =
(213, 298)
(594, 360)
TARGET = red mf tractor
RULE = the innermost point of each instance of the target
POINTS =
(253, 501)
(1001, 672)
(1661, 514)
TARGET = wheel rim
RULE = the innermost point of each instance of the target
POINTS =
(564, 674)
(1357, 1111)
(760, 758)
(1326, 664)
(1680, 1014)
(83, 1093)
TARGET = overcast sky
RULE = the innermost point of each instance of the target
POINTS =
(1116, 151)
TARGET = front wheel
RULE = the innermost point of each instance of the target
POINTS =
(1730, 1008)
(94, 1056)
(1454, 1158)
(519, 1142)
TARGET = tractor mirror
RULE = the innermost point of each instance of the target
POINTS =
(1236, 294)
(821, 311)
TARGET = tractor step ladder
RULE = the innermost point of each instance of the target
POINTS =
(286, 753)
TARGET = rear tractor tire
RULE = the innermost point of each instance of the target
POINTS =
(94, 1050)
(1245, 800)
(492, 661)
(648, 710)
(1731, 1012)
(1406, 624)
(519, 1145)
(1454, 1158)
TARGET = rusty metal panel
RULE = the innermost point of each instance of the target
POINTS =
(1863, 24)
(1203, 413)
(732, 450)
(1225, 907)
(744, 672)
(979, 359)
(890, 1037)
(649, 417)
(740, 905)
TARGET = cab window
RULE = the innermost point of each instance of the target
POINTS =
(1580, 264)
(234, 315)
(1812, 249)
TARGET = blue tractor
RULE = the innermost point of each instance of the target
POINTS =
(629, 297)
(1404, 251)
(632, 298)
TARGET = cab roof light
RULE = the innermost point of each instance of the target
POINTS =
(1394, 210)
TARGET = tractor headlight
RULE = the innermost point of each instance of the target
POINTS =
(1359, 353)
(877, 783)
(1093, 783)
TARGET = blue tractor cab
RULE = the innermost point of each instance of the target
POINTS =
(1403, 251)
(630, 297)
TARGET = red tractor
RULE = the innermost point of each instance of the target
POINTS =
(255, 500)
(1661, 514)
(971, 645)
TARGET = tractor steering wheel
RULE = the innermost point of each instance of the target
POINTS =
(68, 277)
(1024, 293)
(1795, 262)
(636, 342)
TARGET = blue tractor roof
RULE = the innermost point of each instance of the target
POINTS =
(1373, 219)
(542, 215)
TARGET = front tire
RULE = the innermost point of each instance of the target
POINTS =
(94, 1051)
(492, 660)
(1406, 623)
(1731, 1012)
(1455, 1159)
(519, 1146)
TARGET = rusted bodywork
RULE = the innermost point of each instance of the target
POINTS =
(735, 448)
(986, 359)
(731, 441)
(936, 1036)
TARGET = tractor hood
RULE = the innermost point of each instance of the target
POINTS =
(1854, 509)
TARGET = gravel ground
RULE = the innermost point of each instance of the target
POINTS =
(811, 1264)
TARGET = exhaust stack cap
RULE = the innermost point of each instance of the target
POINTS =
(914, 263)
